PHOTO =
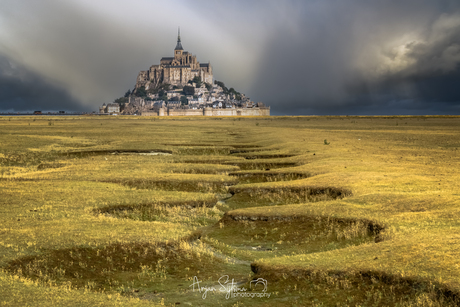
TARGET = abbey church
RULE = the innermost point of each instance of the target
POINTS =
(177, 70)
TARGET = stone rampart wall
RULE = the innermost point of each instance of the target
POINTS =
(182, 112)
(210, 112)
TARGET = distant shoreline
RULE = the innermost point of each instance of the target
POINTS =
(334, 116)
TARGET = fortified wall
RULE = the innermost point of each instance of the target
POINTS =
(210, 112)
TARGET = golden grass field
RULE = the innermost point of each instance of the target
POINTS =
(329, 211)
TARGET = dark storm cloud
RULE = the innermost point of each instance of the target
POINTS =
(24, 91)
(370, 57)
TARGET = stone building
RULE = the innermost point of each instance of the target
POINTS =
(103, 109)
(110, 108)
(176, 70)
(113, 108)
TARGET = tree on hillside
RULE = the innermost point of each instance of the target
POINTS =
(159, 87)
(237, 95)
(189, 90)
(162, 95)
(121, 101)
(222, 85)
(197, 80)
(141, 92)
(227, 91)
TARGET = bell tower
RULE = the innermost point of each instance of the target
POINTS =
(178, 50)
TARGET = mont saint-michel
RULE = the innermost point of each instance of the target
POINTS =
(180, 85)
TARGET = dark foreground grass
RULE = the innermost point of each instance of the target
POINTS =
(339, 288)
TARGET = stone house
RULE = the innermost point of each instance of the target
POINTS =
(113, 108)
(174, 104)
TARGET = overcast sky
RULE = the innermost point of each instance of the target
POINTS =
(300, 57)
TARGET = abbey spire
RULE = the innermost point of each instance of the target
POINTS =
(179, 45)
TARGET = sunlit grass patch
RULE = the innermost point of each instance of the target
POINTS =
(266, 156)
(190, 213)
(254, 196)
(203, 169)
(87, 153)
(249, 150)
(177, 185)
(202, 151)
(16, 291)
(43, 214)
(136, 171)
(245, 146)
(43, 166)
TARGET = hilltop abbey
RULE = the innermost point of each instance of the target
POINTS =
(177, 70)
(180, 85)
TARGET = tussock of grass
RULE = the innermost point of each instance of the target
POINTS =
(222, 161)
(175, 185)
(262, 165)
(245, 146)
(192, 145)
(245, 196)
(190, 213)
(203, 151)
(43, 166)
(272, 156)
(87, 153)
(256, 177)
(243, 151)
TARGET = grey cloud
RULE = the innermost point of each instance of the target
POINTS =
(343, 65)
(440, 51)
(93, 56)
(23, 90)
